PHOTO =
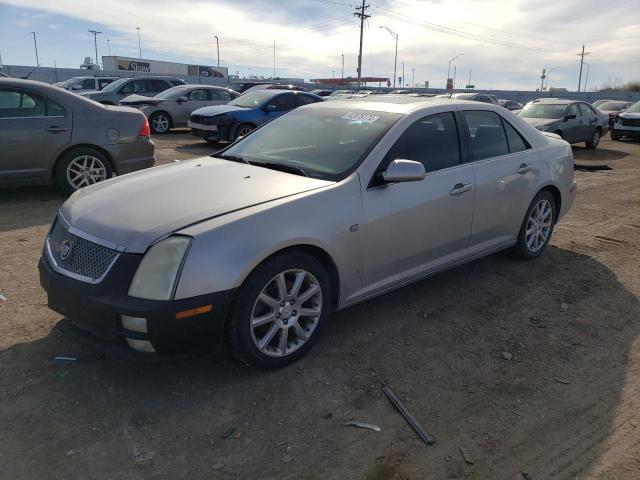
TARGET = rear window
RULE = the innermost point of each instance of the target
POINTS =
(487, 136)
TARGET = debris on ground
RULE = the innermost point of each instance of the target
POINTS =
(3, 298)
(562, 380)
(287, 458)
(507, 356)
(422, 433)
(228, 432)
(466, 456)
(66, 359)
(178, 394)
(328, 416)
(369, 426)
(564, 307)
(237, 435)
(217, 466)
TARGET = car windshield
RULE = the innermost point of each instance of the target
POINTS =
(68, 83)
(635, 108)
(463, 96)
(113, 86)
(325, 143)
(253, 99)
(612, 106)
(543, 110)
(172, 93)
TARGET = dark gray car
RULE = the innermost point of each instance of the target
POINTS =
(574, 121)
(49, 135)
(147, 86)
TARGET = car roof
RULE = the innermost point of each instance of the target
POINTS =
(556, 101)
(402, 104)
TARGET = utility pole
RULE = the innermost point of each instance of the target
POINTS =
(403, 79)
(342, 76)
(218, 49)
(469, 77)
(542, 77)
(587, 78)
(35, 44)
(581, 55)
(95, 34)
(139, 45)
(109, 46)
(455, 73)
(360, 13)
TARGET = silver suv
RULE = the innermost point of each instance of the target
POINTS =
(86, 84)
(147, 86)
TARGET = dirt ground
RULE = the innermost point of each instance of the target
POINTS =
(562, 401)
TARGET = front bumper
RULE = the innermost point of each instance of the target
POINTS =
(215, 133)
(96, 310)
(617, 129)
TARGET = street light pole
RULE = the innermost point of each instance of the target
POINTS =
(218, 49)
(342, 76)
(449, 68)
(395, 61)
(109, 46)
(95, 43)
(413, 77)
(35, 44)
(139, 44)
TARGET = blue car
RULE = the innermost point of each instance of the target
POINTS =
(239, 117)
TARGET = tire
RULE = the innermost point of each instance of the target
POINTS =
(526, 249)
(559, 133)
(593, 142)
(81, 167)
(242, 130)
(160, 122)
(615, 136)
(262, 345)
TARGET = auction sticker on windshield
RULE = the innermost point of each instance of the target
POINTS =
(360, 117)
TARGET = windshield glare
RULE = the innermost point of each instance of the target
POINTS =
(113, 86)
(172, 93)
(253, 99)
(543, 110)
(635, 108)
(612, 107)
(326, 143)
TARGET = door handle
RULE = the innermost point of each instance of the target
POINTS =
(523, 168)
(460, 188)
(56, 129)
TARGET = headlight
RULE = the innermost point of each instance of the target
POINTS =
(156, 276)
(543, 128)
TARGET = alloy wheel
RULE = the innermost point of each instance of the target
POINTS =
(160, 123)
(85, 170)
(539, 225)
(286, 313)
(595, 140)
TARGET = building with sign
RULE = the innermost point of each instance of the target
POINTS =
(157, 67)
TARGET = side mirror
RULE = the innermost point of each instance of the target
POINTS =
(570, 116)
(270, 108)
(404, 171)
(183, 99)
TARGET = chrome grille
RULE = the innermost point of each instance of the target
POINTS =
(78, 256)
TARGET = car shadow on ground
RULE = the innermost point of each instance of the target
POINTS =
(598, 154)
(522, 364)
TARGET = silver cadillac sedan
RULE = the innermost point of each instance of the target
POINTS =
(324, 207)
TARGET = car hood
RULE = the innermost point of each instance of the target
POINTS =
(540, 122)
(140, 99)
(629, 115)
(134, 210)
(217, 110)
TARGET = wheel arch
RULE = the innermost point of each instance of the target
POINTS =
(69, 148)
(557, 196)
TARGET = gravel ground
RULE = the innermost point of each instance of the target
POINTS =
(529, 368)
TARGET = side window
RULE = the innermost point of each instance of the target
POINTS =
(516, 142)
(158, 86)
(15, 103)
(54, 109)
(432, 141)
(177, 83)
(486, 134)
(103, 83)
(586, 110)
(88, 84)
(284, 102)
(199, 95)
(221, 95)
(305, 99)
(134, 86)
(573, 110)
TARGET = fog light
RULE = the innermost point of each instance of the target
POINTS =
(134, 324)
(140, 345)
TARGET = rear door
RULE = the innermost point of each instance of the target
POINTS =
(505, 169)
(572, 128)
(196, 98)
(412, 228)
(281, 104)
(589, 121)
(33, 130)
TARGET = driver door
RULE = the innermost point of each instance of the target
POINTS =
(413, 228)
(572, 128)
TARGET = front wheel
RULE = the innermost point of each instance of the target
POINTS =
(594, 141)
(160, 122)
(615, 136)
(280, 310)
(243, 130)
(537, 227)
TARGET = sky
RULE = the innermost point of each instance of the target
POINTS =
(505, 44)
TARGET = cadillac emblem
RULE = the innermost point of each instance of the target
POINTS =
(65, 249)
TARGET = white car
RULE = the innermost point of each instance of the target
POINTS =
(86, 84)
(627, 123)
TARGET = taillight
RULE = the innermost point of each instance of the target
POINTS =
(144, 130)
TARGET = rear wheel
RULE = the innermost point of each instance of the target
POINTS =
(280, 310)
(242, 130)
(594, 140)
(160, 122)
(537, 227)
(80, 168)
(615, 136)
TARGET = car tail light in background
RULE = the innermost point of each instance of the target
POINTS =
(144, 130)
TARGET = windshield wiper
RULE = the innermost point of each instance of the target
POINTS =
(283, 167)
(233, 158)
